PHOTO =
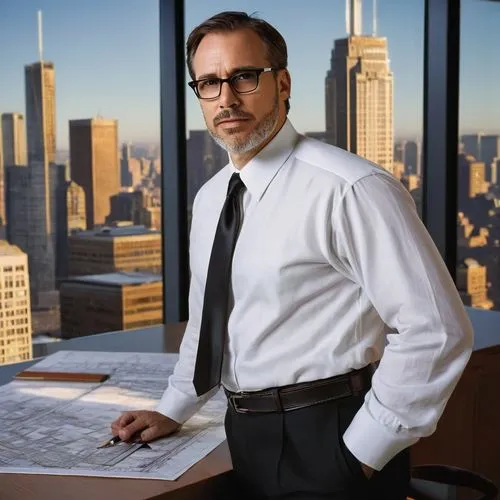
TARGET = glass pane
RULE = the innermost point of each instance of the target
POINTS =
(381, 119)
(81, 171)
(478, 266)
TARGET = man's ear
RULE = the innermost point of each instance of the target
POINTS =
(284, 84)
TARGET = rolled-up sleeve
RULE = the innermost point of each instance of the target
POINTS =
(387, 250)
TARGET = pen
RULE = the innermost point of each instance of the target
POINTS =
(115, 440)
(110, 442)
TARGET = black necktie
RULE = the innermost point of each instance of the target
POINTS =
(215, 303)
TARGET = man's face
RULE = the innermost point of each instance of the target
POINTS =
(240, 122)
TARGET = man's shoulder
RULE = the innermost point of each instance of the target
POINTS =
(346, 167)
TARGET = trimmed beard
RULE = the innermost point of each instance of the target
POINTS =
(258, 136)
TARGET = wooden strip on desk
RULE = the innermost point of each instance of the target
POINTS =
(62, 376)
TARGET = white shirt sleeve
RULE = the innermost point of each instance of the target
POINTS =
(385, 248)
(180, 402)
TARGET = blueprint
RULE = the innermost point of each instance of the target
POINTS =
(49, 427)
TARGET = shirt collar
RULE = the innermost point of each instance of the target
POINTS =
(261, 169)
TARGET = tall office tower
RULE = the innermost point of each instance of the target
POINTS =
(490, 154)
(358, 94)
(41, 111)
(472, 284)
(71, 216)
(3, 218)
(413, 158)
(110, 302)
(32, 210)
(94, 164)
(14, 139)
(127, 207)
(399, 151)
(15, 323)
(138, 207)
(485, 148)
(41, 139)
(204, 159)
(125, 174)
(17, 205)
(14, 151)
(471, 179)
(495, 166)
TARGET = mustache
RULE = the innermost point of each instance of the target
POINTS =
(228, 115)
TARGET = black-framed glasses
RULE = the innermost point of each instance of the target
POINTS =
(241, 82)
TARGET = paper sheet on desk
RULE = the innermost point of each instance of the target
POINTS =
(55, 427)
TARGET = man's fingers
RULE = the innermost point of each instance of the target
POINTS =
(122, 421)
(159, 430)
(136, 426)
(151, 433)
(126, 418)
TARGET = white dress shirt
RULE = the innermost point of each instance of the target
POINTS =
(331, 257)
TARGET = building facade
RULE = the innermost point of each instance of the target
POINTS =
(40, 111)
(94, 164)
(71, 217)
(15, 310)
(111, 249)
(14, 139)
(359, 94)
(473, 285)
(110, 302)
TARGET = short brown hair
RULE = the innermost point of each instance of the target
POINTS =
(228, 21)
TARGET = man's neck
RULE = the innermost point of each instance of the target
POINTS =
(240, 160)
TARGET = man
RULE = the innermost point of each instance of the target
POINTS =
(330, 253)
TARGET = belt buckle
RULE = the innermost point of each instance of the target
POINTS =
(232, 401)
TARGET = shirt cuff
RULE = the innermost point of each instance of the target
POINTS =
(177, 405)
(372, 443)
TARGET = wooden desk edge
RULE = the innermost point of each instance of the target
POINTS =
(210, 475)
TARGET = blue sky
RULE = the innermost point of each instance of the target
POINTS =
(106, 58)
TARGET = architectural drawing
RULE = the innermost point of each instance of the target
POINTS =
(55, 427)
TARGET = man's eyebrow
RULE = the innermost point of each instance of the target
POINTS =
(235, 70)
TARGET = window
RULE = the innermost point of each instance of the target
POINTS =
(101, 95)
(388, 110)
(478, 219)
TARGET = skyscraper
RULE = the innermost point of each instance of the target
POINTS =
(485, 148)
(70, 216)
(15, 325)
(204, 159)
(3, 220)
(94, 164)
(14, 139)
(39, 209)
(40, 111)
(490, 153)
(359, 94)
(413, 157)
(471, 183)
(125, 174)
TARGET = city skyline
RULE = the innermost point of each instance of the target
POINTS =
(116, 74)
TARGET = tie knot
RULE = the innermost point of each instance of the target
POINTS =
(235, 185)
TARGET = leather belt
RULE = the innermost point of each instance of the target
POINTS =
(295, 396)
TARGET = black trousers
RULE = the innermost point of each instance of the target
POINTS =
(301, 454)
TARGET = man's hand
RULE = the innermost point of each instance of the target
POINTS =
(367, 470)
(144, 425)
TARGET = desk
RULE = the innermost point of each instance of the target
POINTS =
(209, 478)
(467, 434)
